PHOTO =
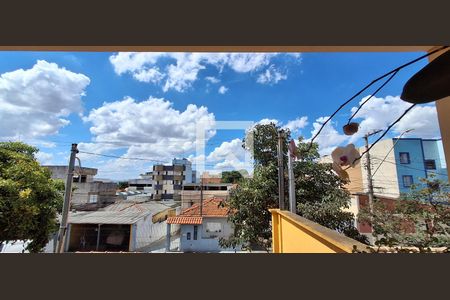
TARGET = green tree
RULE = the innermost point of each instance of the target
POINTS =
(29, 198)
(419, 219)
(231, 177)
(319, 192)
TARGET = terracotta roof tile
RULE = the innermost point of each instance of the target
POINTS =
(185, 220)
(211, 208)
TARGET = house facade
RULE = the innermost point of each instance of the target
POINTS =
(201, 229)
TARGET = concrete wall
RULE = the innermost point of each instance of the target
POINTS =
(105, 191)
(206, 241)
(147, 232)
(294, 234)
(385, 179)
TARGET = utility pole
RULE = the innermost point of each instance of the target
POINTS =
(369, 170)
(201, 195)
(291, 158)
(67, 196)
(280, 170)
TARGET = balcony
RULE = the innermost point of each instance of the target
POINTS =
(294, 234)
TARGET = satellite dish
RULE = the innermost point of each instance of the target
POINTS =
(431, 83)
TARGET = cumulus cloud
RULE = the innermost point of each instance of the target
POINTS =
(271, 76)
(295, 125)
(36, 102)
(266, 121)
(223, 90)
(329, 138)
(150, 128)
(378, 113)
(44, 158)
(181, 70)
(229, 155)
(212, 79)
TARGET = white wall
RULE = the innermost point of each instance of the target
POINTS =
(148, 232)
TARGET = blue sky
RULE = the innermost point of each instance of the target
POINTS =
(146, 105)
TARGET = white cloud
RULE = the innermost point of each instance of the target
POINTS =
(232, 150)
(378, 113)
(152, 75)
(295, 125)
(229, 156)
(44, 158)
(223, 90)
(181, 70)
(149, 129)
(35, 102)
(329, 138)
(267, 121)
(271, 76)
(212, 79)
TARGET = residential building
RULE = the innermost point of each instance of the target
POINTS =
(143, 184)
(86, 189)
(168, 180)
(200, 230)
(396, 165)
(123, 226)
(192, 192)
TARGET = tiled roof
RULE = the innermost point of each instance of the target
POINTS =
(211, 208)
(185, 220)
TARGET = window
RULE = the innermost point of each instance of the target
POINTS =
(430, 164)
(213, 227)
(83, 178)
(188, 236)
(195, 232)
(93, 198)
(407, 180)
(404, 158)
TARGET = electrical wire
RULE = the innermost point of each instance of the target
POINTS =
(366, 87)
(371, 96)
(384, 133)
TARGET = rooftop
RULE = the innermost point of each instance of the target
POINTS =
(211, 208)
(106, 217)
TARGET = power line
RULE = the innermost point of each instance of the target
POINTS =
(408, 167)
(367, 86)
(384, 133)
(121, 157)
(371, 96)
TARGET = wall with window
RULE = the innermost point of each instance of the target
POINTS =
(434, 158)
(204, 237)
(410, 163)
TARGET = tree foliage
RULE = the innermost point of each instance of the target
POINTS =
(419, 219)
(231, 177)
(29, 198)
(319, 192)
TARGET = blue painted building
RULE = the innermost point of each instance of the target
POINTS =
(417, 158)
